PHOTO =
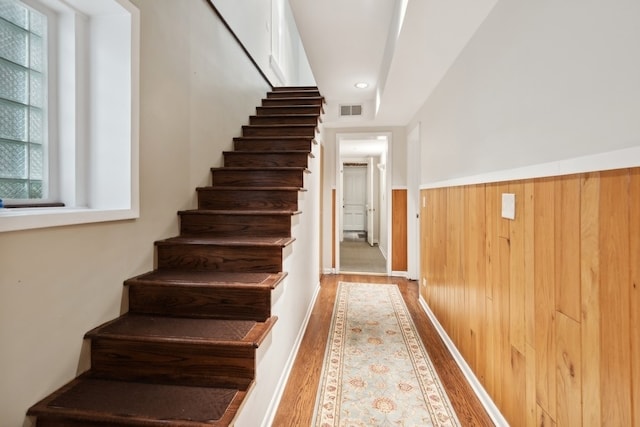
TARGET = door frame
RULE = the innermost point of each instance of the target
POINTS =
(370, 209)
(413, 203)
(338, 234)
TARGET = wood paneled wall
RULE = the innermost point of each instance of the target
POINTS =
(399, 230)
(545, 308)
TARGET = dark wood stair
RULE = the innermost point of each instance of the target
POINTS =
(177, 350)
(279, 129)
(93, 402)
(248, 198)
(284, 119)
(264, 223)
(184, 353)
(275, 110)
(267, 159)
(292, 100)
(225, 254)
(273, 143)
(259, 176)
(221, 295)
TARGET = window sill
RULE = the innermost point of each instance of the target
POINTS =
(15, 219)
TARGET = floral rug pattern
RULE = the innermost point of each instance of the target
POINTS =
(376, 370)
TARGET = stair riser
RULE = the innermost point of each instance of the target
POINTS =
(247, 200)
(302, 144)
(235, 225)
(234, 159)
(45, 421)
(265, 130)
(258, 178)
(290, 88)
(172, 363)
(220, 258)
(282, 120)
(301, 109)
(268, 102)
(293, 94)
(248, 303)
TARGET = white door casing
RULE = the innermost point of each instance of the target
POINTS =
(413, 203)
(371, 202)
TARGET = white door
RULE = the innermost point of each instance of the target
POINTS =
(354, 198)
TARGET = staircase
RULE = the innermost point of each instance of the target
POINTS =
(184, 354)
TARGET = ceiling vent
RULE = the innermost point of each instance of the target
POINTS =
(350, 110)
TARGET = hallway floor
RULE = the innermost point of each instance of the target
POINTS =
(357, 256)
(298, 401)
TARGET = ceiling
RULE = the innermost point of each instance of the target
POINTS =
(401, 48)
(363, 146)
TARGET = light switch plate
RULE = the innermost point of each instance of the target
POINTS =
(508, 205)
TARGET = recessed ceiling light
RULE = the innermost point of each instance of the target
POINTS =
(362, 85)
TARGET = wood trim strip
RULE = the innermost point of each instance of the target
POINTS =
(399, 230)
(333, 228)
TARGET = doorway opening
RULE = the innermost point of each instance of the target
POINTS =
(363, 203)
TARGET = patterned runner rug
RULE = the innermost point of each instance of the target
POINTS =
(376, 370)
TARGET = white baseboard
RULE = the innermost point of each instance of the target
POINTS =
(404, 274)
(282, 383)
(491, 408)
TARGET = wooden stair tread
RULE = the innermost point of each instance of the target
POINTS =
(237, 188)
(293, 129)
(284, 116)
(310, 89)
(276, 108)
(293, 100)
(264, 152)
(261, 168)
(206, 278)
(275, 157)
(228, 241)
(239, 212)
(87, 399)
(287, 88)
(297, 98)
(282, 126)
(273, 138)
(141, 327)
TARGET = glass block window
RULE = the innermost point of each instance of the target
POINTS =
(23, 83)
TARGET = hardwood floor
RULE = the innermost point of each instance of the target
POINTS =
(298, 401)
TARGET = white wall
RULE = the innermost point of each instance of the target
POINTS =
(539, 82)
(197, 89)
(268, 31)
(291, 302)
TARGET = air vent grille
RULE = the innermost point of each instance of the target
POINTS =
(350, 110)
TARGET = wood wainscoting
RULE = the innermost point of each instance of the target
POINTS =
(399, 230)
(545, 308)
